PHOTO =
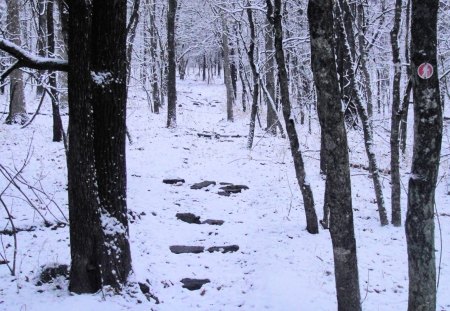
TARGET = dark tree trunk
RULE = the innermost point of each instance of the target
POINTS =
(276, 20)
(57, 123)
(367, 128)
(41, 40)
(172, 66)
(426, 155)
(272, 118)
(204, 67)
(395, 118)
(17, 108)
(154, 56)
(96, 158)
(85, 228)
(405, 106)
(227, 71)
(338, 185)
(255, 74)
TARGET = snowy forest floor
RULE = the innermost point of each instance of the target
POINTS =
(278, 266)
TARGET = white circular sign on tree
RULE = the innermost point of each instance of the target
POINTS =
(425, 70)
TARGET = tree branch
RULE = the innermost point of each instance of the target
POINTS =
(29, 60)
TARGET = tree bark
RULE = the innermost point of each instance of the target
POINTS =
(274, 16)
(57, 123)
(96, 159)
(154, 55)
(338, 185)
(405, 106)
(172, 66)
(419, 223)
(255, 74)
(368, 137)
(272, 119)
(17, 108)
(41, 40)
(227, 71)
(395, 119)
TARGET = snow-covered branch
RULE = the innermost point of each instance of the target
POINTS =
(29, 60)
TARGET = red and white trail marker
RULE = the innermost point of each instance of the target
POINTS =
(425, 71)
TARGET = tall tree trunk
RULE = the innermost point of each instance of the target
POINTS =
(63, 12)
(368, 137)
(405, 106)
(172, 66)
(363, 57)
(154, 55)
(57, 123)
(41, 40)
(255, 74)
(227, 71)
(425, 162)
(131, 34)
(270, 81)
(17, 108)
(274, 16)
(338, 184)
(96, 159)
(395, 118)
(343, 63)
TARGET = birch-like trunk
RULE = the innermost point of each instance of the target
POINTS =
(227, 71)
(367, 129)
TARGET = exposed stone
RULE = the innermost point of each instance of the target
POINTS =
(173, 181)
(189, 218)
(224, 193)
(194, 284)
(203, 184)
(224, 249)
(48, 274)
(213, 222)
(234, 188)
(182, 249)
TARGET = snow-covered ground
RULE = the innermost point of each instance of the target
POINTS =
(278, 266)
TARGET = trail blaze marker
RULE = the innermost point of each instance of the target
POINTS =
(425, 70)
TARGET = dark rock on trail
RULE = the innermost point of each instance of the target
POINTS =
(182, 249)
(194, 284)
(189, 218)
(203, 184)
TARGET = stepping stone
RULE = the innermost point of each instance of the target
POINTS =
(194, 284)
(213, 222)
(224, 249)
(234, 188)
(182, 249)
(203, 184)
(224, 193)
(189, 218)
(173, 181)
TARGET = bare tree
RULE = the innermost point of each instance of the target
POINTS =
(338, 186)
(275, 18)
(17, 108)
(419, 223)
(395, 118)
(172, 66)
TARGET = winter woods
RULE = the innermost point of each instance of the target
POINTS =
(353, 94)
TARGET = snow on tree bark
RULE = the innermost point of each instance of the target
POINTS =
(419, 225)
(274, 16)
(338, 185)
